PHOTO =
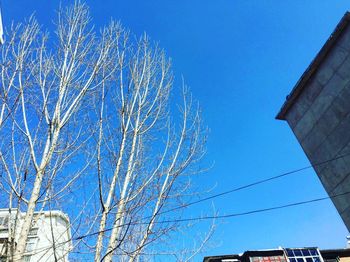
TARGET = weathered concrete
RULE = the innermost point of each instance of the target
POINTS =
(319, 115)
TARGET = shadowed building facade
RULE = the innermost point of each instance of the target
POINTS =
(318, 112)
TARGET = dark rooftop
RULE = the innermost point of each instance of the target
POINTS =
(245, 256)
(325, 253)
(332, 253)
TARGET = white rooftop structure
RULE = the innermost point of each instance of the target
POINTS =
(49, 238)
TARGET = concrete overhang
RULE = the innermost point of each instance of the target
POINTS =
(299, 87)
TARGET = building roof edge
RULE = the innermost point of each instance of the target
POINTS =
(299, 86)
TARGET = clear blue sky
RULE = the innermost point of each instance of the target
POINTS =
(240, 58)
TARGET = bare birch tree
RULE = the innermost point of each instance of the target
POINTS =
(84, 106)
(151, 155)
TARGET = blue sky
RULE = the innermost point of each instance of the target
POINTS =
(240, 58)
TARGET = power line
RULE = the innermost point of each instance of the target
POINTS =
(222, 194)
(238, 189)
(220, 216)
(251, 184)
(255, 211)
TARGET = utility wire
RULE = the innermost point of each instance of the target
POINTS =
(219, 216)
(235, 190)
(255, 211)
(250, 185)
(222, 194)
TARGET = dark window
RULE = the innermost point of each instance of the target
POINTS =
(290, 253)
(305, 252)
(297, 252)
(316, 259)
(313, 252)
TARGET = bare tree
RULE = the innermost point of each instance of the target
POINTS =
(85, 106)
